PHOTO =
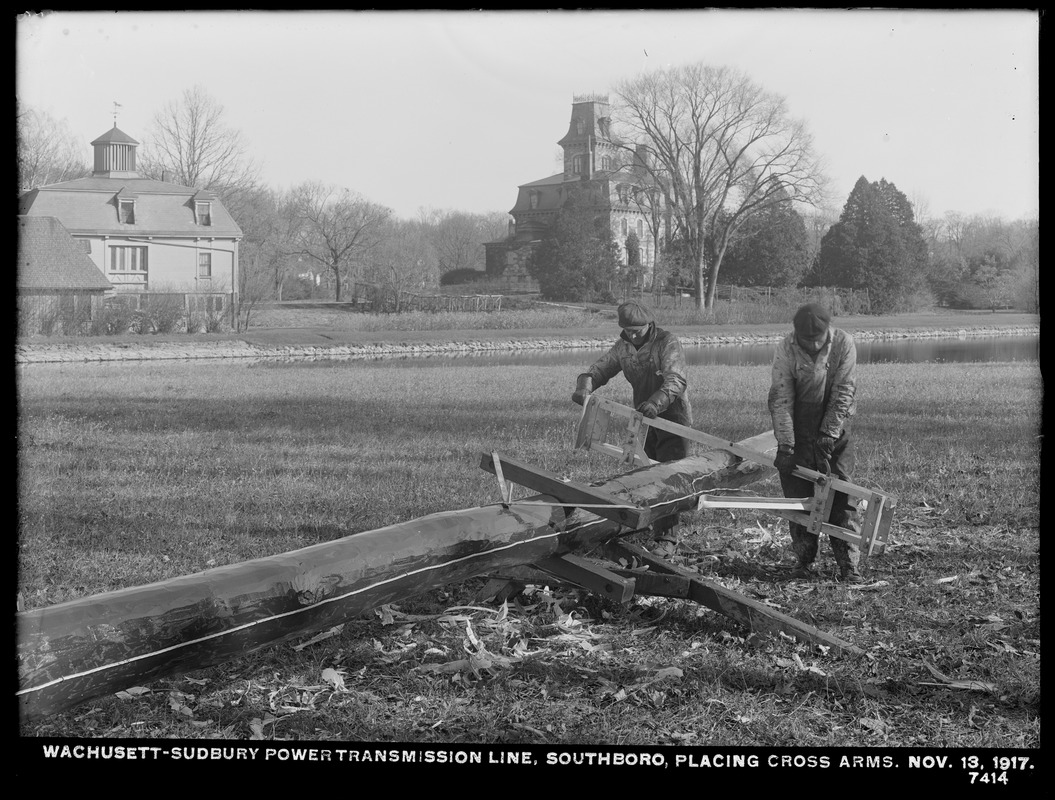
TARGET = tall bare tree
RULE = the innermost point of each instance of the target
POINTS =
(458, 236)
(336, 229)
(722, 149)
(404, 259)
(818, 222)
(190, 143)
(48, 152)
(269, 237)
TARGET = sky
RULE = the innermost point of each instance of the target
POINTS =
(456, 109)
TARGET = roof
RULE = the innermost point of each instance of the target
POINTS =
(95, 183)
(549, 191)
(552, 179)
(115, 136)
(88, 206)
(49, 258)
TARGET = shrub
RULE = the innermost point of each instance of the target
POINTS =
(140, 323)
(461, 275)
(48, 320)
(115, 318)
(196, 322)
(163, 313)
(79, 322)
(216, 322)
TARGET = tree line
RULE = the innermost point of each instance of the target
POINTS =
(309, 235)
(745, 198)
(875, 245)
(742, 194)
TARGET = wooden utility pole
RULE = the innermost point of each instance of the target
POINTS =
(75, 651)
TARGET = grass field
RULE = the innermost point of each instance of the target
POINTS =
(131, 473)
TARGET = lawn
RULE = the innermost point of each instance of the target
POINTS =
(131, 473)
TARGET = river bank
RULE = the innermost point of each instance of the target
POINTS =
(316, 343)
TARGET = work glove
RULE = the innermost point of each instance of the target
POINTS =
(785, 461)
(822, 452)
(583, 388)
(825, 446)
(649, 409)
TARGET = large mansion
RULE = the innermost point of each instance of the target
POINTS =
(599, 168)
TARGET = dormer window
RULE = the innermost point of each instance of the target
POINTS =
(534, 199)
(126, 211)
(580, 127)
(203, 213)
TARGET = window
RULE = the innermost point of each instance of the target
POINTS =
(622, 227)
(624, 193)
(204, 265)
(534, 199)
(128, 259)
(126, 211)
(606, 162)
(576, 164)
(203, 211)
(640, 229)
(85, 245)
(580, 127)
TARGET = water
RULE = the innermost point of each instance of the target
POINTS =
(898, 351)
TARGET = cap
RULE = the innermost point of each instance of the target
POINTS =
(633, 313)
(812, 320)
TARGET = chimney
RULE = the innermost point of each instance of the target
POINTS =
(640, 158)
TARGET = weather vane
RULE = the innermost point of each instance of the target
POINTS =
(116, 106)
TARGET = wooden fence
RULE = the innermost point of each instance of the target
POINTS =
(840, 301)
(380, 298)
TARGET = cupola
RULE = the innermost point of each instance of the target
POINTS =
(115, 155)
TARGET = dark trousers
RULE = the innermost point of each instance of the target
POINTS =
(664, 446)
(844, 513)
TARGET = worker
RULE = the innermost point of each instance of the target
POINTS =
(812, 399)
(653, 362)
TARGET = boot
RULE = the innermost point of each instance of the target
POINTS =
(666, 546)
(802, 572)
(666, 537)
(849, 574)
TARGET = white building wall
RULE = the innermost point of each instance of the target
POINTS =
(172, 264)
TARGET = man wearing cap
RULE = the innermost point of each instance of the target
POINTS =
(652, 361)
(811, 401)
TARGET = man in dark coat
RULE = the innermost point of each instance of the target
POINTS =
(653, 362)
(812, 399)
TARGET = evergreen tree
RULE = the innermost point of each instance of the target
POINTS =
(632, 274)
(633, 250)
(875, 245)
(579, 260)
(772, 249)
